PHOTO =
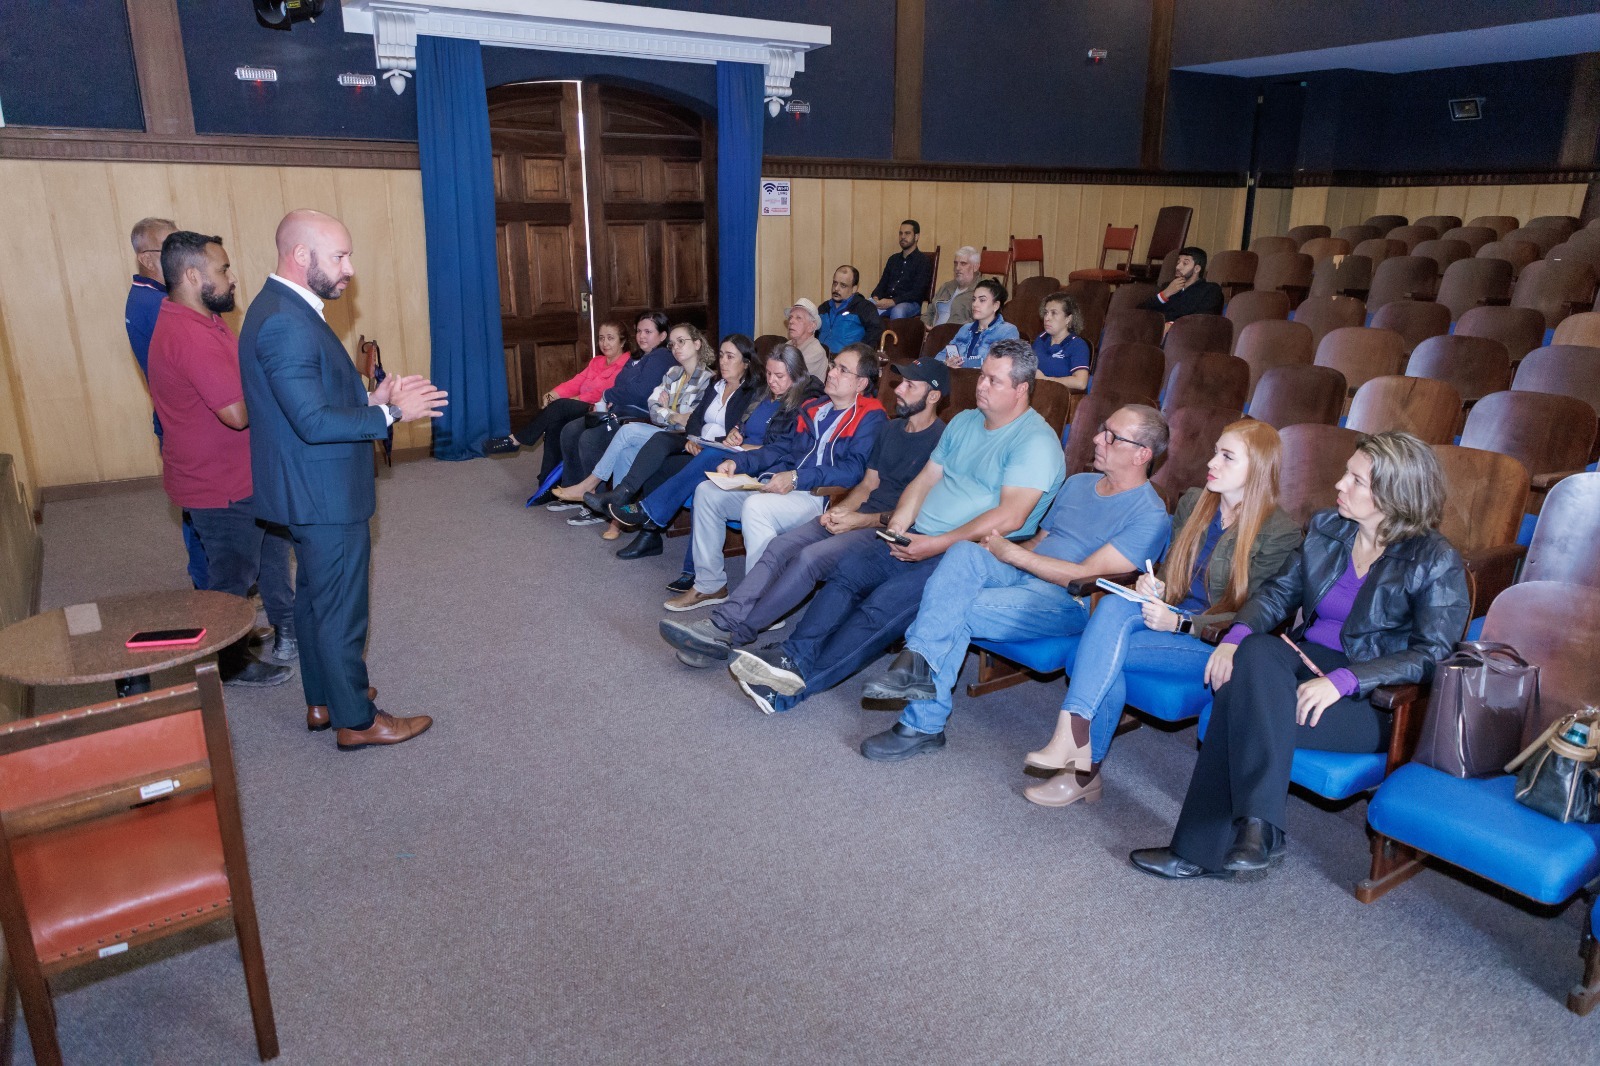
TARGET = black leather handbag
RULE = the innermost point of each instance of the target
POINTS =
(1484, 696)
(1557, 774)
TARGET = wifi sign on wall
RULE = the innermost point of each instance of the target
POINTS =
(774, 197)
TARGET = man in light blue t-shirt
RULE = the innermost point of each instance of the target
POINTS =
(1100, 524)
(994, 471)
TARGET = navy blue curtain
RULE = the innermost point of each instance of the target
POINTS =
(741, 115)
(458, 216)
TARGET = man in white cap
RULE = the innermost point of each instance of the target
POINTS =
(803, 321)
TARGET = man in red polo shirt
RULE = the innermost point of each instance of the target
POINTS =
(205, 455)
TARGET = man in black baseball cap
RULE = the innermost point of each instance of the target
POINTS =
(793, 563)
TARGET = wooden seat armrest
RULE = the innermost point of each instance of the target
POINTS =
(1359, 294)
(1213, 633)
(1495, 301)
(1421, 296)
(1085, 586)
(1546, 482)
(1405, 702)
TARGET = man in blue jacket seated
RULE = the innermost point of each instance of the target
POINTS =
(995, 469)
(1101, 524)
(828, 448)
(849, 317)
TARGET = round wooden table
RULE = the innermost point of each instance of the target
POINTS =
(45, 650)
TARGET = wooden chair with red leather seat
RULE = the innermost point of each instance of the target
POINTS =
(1297, 395)
(1380, 248)
(1258, 305)
(1132, 327)
(1486, 494)
(1192, 440)
(1128, 297)
(1426, 408)
(1475, 237)
(1564, 369)
(938, 338)
(1324, 314)
(1265, 246)
(1555, 288)
(1581, 328)
(1356, 234)
(1054, 401)
(1288, 271)
(1443, 252)
(1170, 233)
(1235, 271)
(1119, 239)
(1520, 329)
(1412, 236)
(1385, 223)
(1129, 369)
(1209, 379)
(1312, 462)
(121, 827)
(1414, 320)
(1193, 334)
(1320, 248)
(1026, 250)
(1469, 283)
(1362, 353)
(1518, 253)
(994, 264)
(1441, 223)
(1301, 234)
(902, 339)
(1551, 435)
(1501, 224)
(1403, 277)
(1271, 343)
(1563, 542)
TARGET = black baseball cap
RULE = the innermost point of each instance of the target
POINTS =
(930, 370)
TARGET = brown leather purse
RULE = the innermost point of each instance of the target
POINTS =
(1484, 696)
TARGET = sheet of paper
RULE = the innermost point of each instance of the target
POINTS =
(736, 483)
(82, 618)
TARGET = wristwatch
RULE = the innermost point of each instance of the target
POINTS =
(394, 412)
(1186, 624)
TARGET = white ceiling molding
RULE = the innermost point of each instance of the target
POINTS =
(588, 27)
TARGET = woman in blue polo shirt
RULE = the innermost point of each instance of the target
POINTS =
(1063, 354)
(973, 340)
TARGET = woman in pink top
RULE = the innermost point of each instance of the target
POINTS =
(572, 399)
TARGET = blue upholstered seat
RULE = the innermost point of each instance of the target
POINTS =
(1045, 654)
(1171, 696)
(1478, 826)
(1334, 775)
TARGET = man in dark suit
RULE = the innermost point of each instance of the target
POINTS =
(311, 424)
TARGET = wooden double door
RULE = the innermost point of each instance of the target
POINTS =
(604, 207)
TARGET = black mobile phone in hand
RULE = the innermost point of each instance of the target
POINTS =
(895, 538)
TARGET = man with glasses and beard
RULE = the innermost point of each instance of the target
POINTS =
(313, 424)
(205, 453)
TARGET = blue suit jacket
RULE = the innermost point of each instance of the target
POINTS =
(310, 423)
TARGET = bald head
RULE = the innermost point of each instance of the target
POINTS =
(314, 250)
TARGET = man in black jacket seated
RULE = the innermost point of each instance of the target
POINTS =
(907, 276)
(1188, 293)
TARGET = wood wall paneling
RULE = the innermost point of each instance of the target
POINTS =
(83, 411)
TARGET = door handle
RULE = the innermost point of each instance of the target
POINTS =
(583, 303)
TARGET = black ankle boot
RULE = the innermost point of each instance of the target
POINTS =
(1257, 847)
(646, 542)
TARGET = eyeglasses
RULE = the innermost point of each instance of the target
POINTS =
(841, 368)
(1106, 431)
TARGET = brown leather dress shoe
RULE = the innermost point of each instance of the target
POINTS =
(317, 714)
(385, 729)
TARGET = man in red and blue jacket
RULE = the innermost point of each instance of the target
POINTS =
(828, 449)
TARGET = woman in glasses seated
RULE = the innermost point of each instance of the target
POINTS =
(1383, 596)
(1227, 539)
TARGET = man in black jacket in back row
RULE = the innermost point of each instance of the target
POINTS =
(1188, 293)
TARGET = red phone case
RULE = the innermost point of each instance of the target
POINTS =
(197, 638)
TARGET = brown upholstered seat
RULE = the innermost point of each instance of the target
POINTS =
(1476, 366)
(1170, 233)
(1486, 495)
(1258, 305)
(1551, 435)
(1132, 327)
(1413, 236)
(1439, 222)
(1556, 289)
(938, 337)
(1273, 342)
(1543, 239)
(1192, 442)
(1362, 353)
(1235, 271)
(1289, 271)
(1520, 329)
(963, 389)
(902, 339)
(1022, 310)
(1424, 407)
(1518, 253)
(1193, 334)
(1414, 320)
(1129, 369)
(1443, 252)
(1475, 237)
(1403, 277)
(1295, 395)
(1092, 411)
(1207, 379)
(1265, 246)
(1581, 328)
(1325, 314)
(1052, 400)
(1356, 234)
(1563, 546)
(1578, 251)
(1564, 369)
(1380, 248)
(1129, 296)
(1501, 224)
(766, 344)
(1312, 463)
(1470, 283)
(1301, 234)
(1387, 222)
(1320, 248)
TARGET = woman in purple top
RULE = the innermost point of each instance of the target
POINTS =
(1384, 598)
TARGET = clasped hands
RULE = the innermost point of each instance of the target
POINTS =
(1311, 697)
(415, 395)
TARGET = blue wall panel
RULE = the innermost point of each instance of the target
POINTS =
(68, 64)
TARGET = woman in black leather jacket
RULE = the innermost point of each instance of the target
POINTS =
(1383, 597)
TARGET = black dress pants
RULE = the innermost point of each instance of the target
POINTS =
(548, 424)
(1243, 769)
(648, 464)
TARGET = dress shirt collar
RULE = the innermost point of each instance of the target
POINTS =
(305, 294)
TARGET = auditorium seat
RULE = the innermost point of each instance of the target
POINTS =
(1349, 275)
(939, 337)
(1563, 225)
(1356, 234)
(1551, 435)
(1581, 328)
(902, 339)
(1132, 327)
(1362, 353)
(1563, 545)
(1295, 395)
(1288, 271)
(1235, 271)
(1258, 305)
(1311, 464)
(1119, 240)
(1424, 407)
(1273, 342)
(1444, 252)
(1380, 248)
(1470, 283)
(1320, 248)
(1094, 298)
(1564, 369)
(1414, 320)
(1501, 224)
(1207, 379)
(1543, 239)
(1518, 253)
(1170, 233)
(1265, 246)
(1474, 236)
(1301, 234)
(1129, 369)
(1193, 334)
(1413, 236)
(1520, 329)
(1194, 430)
(1385, 223)
(1327, 313)
(1475, 366)
(1130, 296)
(1440, 222)
(1404, 277)
(1577, 251)
(1556, 289)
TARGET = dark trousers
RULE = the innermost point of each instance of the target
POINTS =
(196, 552)
(662, 501)
(241, 551)
(331, 619)
(547, 425)
(581, 450)
(785, 575)
(1243, 769)
(863, 608)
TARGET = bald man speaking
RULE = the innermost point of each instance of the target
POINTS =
(311, 424)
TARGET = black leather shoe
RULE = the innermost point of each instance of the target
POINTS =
(682, 583)
(899, 742)
(1257, 847)
(599, 502)
(1161, 862)
(644, 544)
(909, 677)
(501, 446)
(257, 674)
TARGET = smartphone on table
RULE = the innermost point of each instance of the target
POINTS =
(165, 638)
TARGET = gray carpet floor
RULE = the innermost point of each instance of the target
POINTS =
(599, 855)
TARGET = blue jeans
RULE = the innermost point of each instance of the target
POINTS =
(905, 310)
(678, 489)
(863, 608)
(1114, 640)
(623, 449)
(973, 594)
